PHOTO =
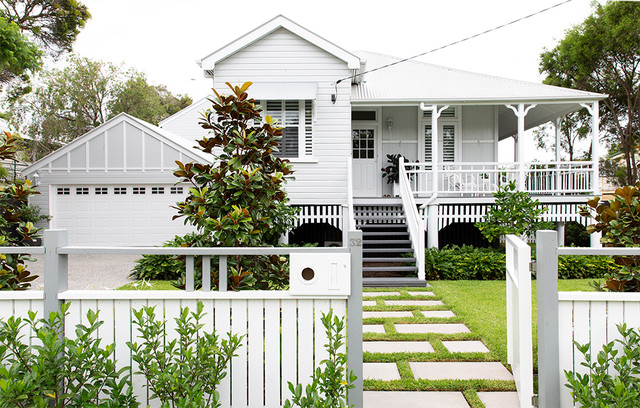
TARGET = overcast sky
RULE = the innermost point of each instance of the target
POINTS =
(164, 38)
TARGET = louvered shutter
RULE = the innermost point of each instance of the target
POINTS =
(448, 137)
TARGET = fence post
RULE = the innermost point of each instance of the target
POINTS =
(354, 317)
(56, 269)
(547, 293)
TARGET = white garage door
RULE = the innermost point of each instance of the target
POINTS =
(117, 214)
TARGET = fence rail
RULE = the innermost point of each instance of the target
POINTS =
(284, 336)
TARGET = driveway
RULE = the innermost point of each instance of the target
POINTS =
(90, 272)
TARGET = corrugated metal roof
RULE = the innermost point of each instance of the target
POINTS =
(423, 82)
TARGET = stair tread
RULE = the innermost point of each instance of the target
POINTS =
(390, 259)
(386, 241)
(393, 282)
(389, 268)
(387, 250)
(384, 233)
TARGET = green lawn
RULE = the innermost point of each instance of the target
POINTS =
(482, 305)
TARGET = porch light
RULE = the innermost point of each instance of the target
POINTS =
(390, 123)
(36, 179)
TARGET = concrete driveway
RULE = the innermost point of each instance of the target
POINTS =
(90, 272)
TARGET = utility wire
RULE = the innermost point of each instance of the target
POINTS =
(457, 42)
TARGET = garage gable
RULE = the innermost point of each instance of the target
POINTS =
(122, 144)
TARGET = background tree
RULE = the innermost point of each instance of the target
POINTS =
(574, 128)
(29, 27)
(73, 100)
(603, 55)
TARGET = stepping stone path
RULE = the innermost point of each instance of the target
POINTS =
(425, 339)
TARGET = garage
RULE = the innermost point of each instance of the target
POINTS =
(114, 186)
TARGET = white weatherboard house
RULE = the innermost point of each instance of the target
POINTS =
(342, 117)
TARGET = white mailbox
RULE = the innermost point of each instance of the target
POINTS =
(320, 274)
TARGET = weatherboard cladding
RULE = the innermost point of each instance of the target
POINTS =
(284, 57)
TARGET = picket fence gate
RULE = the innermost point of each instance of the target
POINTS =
(284, 336)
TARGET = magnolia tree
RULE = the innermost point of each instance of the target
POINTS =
(239, 200)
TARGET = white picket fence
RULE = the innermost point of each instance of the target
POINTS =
(284, 336)
(565, 317)
(519, 343)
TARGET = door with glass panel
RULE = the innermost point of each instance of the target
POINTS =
(366, 174)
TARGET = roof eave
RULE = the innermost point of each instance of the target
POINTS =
(480, 101)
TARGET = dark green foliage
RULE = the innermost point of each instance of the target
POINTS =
(465, 262)
(619, 222)
(514, 212)
(329, 386)
(17, 224)
(469, 263)
(613, 379)
(60, 372)
(162, 267)
(392, 171)
(184, 372)
(576, 234)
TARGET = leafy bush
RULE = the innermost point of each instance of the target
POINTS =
(470, 263)
(619, 222)
(184, 372)
(599, 387)
(163, 267)
(465, 262)
(575, 234)
(514, 212)
(329, 387)
(60, 372)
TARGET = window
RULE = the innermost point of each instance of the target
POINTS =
(101, 190)
(157, 190)
(448, 135)
(138, 190)
(82, 190)
(450, 113)
(363, 144)
(363, 115)
(119, 190)
(176, 190)
(297, 119)
(63, 191)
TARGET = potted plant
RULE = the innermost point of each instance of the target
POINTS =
(392, 172)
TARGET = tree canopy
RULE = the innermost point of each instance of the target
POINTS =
(75, 99)
(603, 55)
(28, 29)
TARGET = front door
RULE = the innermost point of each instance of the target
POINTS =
(366, 174)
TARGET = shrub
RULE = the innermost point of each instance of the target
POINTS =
(576, 235)
(328, 387)
(162, 267)
(184, 372)
(60, 372)
(613, 379)
(470, 263)
(619, 222)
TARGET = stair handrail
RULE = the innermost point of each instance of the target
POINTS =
(415, 223)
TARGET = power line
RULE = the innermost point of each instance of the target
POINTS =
(457, 42)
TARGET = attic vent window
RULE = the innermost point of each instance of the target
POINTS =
(296, 117)
(363, 115)
(450, 112)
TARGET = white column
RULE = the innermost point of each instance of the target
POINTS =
(521, 113)
(558, 177)
(594, 111)
(432, 226)
(560, 229)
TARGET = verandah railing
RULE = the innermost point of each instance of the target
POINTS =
(484, 178)
(284, 338)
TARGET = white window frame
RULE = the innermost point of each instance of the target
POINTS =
(303, 154)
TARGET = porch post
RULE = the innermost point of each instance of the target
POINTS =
(432, 226)
(520, 113)
(558, 177)
(594, 110)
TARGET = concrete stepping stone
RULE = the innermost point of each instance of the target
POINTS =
(464, 370)
(397, 347)
(421, 293)
(373, 328)
(413, 302)
(414, 399)
(445, 328)
(499, 399)
(465, 346)
(369, 303)
(443, 314)
(399, 313)
(376, 294)
(380, 371)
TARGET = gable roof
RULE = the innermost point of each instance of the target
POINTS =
(209, 62)
(414, 81)
(200, 104)
(178, 143)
